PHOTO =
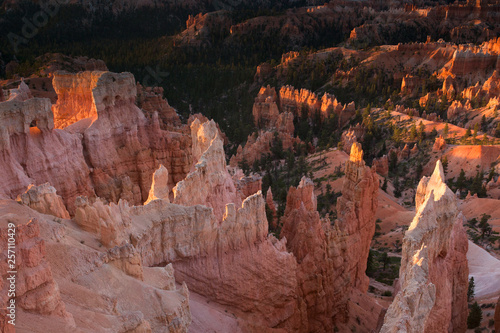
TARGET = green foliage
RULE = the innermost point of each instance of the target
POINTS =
(397, 187)
(470, 290)
(382, 267)
(444, 162)
(460, 183)
(475, 316)
(393, 161)
(445, 130)
(384, 185)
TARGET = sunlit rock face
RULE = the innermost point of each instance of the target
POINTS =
(159, 187)
(210, 183)
(434, 271)
(297, 101)
(108, 147)
(122, 147)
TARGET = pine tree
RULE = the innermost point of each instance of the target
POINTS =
(384, 185)
(421, 131)
(444, 162)
(484, 124)
(470, 290)
(475, 316)
(497, 131)
(446, 129)
(467, 133)
(460, 184)
(413, 132)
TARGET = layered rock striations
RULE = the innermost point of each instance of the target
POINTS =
(108, 147)
(33, 152)
(298, 101)
(331, 258)
(36, 291)
(356, 210)
(210, 183)
(434, 272)
(123, 148)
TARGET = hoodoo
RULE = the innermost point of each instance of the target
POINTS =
(434, 273)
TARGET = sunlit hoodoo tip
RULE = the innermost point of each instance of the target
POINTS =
(356, 152)
(439, 172)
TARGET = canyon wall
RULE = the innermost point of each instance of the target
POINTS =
(40, 153)
(108, 147)
(303, 101)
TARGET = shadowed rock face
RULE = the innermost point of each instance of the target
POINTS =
(36, 290)
(331, 258)
(356, 210)
(434, 271)
(497, 316)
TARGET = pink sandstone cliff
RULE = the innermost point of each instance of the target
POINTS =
(111, 151)
(434, 271)
(35, 287)
(67, 282)
(210, 183)
(296, 101)
(331, 258)
(40, 154)
(356, 210)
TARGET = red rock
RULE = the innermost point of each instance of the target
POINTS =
(74, 97)
(381, 165)
(331, 258)
(272, 206)
(349, 137)
(150, 100)
(439, 144)
(124, 148)
(265, 109)
(248, 186)
(410, 85)
(356, 211)
(497, 316)
(36, 290)
(296, 101)
(44, 199)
